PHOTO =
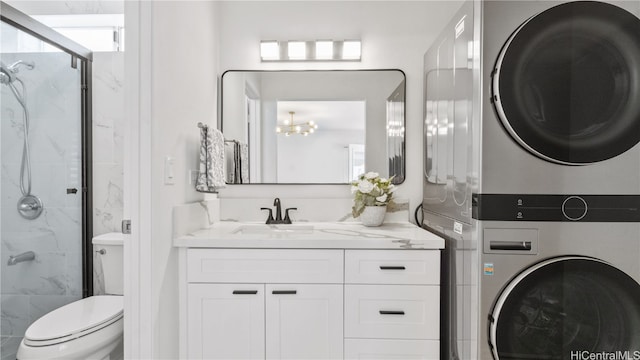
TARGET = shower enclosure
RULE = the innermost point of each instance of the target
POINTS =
(45, 132)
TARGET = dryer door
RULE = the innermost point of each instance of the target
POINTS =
(567, 82)
(564, 308)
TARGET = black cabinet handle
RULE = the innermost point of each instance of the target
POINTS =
(392, 267)
(391, 312)
(284, 292)
(245, 292)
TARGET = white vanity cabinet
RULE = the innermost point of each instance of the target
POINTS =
(257, 304)
(338, 291)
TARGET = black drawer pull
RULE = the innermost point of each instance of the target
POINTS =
(392, 268)
(245, 292)
(391, 312)
(284, 292)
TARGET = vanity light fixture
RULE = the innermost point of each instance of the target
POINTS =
(269, 50)
(289, 127)
(351, 50)
(310, 50)
(297, 50)
(324, 50)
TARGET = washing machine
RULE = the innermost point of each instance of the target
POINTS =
(531, 132)
(552, 290)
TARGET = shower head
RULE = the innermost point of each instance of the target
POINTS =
(6, 75)
(15, 67)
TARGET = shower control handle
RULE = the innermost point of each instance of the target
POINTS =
(26, 256)
(101, 251)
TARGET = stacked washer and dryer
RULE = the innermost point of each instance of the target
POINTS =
(532, 174)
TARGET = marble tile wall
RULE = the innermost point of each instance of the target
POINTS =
(108, 145)
(54, 278)
(108, 141)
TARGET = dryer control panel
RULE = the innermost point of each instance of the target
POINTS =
(588, 208)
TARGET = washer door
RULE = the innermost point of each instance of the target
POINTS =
(567, 83)
(565, 306)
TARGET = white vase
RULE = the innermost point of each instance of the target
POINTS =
(373, 215)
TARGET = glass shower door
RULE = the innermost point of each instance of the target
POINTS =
(49, 168)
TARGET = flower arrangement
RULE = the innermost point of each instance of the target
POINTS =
(371, 190)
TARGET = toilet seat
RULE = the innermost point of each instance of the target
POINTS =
(75, 320)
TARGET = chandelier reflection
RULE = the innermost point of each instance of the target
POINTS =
(289, 127)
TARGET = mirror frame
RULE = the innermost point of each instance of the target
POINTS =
(402, 84)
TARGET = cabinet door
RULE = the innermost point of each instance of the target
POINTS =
(225, 321)
(304, 321)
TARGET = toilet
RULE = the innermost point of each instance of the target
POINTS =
(90, 328)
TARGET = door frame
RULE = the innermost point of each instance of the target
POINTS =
(138, 319)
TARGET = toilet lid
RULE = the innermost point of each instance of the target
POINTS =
(80, 317)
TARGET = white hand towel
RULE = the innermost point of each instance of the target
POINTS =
(211, 160)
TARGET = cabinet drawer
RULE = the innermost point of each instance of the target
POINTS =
(392, 311)
(264, 266)
(392, 267)
(391, 349)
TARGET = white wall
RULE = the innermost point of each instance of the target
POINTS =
(394, 34)
(183, 73)
(322, 157)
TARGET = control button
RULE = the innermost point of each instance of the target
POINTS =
(574, 208)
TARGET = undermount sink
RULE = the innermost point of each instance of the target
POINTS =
(274, 229)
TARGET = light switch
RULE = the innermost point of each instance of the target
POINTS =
(169, 173)
(193, 176)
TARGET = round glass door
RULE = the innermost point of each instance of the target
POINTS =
(567, 306)
(567, 83)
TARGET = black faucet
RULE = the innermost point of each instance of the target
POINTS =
(276, 203)
(278, 219)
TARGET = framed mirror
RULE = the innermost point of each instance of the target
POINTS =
(312, 127)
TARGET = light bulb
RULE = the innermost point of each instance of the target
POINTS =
(298, 129)
(286, 122)
(278, 130)
(311, 122)
(312, 130)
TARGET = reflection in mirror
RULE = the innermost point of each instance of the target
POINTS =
(312, 127)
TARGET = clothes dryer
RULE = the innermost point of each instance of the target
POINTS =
(534, 98)
(559, 111)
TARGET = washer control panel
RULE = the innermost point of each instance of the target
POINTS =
(588, 208)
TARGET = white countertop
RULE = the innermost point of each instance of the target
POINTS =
(309, 235)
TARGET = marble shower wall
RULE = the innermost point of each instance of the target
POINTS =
(54, 278)
(108, 141)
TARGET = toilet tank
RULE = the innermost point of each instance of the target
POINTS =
(109, 251)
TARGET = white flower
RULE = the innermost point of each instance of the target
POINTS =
(371, 175)
(382, 198)
(365, 187)
(391, 188)
(354, 188)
